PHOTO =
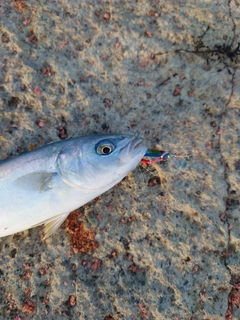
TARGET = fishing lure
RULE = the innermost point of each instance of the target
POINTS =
(162, 156)
(159, 155)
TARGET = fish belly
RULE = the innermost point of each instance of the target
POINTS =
(21, 209)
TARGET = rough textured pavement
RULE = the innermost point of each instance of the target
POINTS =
(169, 72)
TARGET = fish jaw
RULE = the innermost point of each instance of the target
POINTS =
(131, 156)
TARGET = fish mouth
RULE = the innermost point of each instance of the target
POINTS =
(133, 151)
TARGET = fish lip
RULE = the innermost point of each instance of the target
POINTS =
(136, 143)
(134, 149)
(138, 148)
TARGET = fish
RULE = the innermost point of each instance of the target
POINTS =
(42, 186)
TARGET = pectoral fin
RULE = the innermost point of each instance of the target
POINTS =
(51, 225)
(38, 181)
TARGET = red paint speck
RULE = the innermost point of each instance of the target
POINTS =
(37, 90)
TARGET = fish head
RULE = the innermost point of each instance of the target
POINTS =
(99, 161)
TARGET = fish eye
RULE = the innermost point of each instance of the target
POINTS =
(104, 148)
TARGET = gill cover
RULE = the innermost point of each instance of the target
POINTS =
(70, 167)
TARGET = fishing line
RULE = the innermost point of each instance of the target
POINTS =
(163, 156)
(155, 156)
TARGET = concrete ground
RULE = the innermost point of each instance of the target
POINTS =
(165, 71)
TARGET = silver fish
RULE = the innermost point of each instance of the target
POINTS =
(44, 185)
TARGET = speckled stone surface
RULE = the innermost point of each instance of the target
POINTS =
(168, 72)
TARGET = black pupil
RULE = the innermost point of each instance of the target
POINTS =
(106, 150)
